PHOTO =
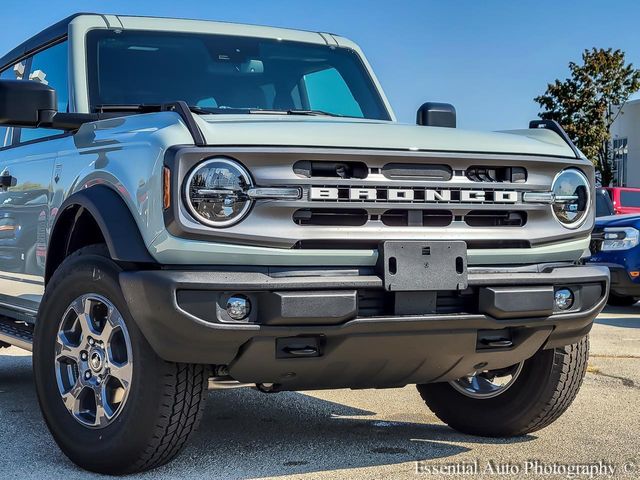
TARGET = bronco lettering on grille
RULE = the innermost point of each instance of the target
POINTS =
(368, 194)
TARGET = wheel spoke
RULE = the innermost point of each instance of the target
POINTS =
(83, 307)
(65, 349)
(107, 330)
(103, 414)
(475, 383)
(108, 324)
(86, 326)
(122, 373)
(71, 398)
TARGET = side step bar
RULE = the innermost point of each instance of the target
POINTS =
(18, 334)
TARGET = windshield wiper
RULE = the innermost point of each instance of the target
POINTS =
(148, 107)
(202, 110)
(261, 111)
(314, 113)
(151, 107)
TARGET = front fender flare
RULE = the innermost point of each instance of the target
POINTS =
(112, 215)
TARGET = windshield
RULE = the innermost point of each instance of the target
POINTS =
(225, 74)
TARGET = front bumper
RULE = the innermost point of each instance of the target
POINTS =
(363, 336)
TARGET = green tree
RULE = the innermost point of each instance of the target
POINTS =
(587, 103)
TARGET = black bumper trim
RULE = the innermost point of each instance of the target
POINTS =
(389, 351)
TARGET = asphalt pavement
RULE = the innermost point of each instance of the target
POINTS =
(366, 434)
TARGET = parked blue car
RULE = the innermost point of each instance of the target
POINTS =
(615, 245)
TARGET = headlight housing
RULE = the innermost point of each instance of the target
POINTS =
(216, 192)
(572, 197)
(619, 238)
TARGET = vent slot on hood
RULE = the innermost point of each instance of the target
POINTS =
(319, 169)
(410, 171)
(496, 174)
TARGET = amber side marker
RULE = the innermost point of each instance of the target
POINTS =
(634, 274)
(166, 188)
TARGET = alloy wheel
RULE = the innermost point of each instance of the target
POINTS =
(93, 360)
(488, 383)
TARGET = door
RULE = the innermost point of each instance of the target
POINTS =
(24, 206)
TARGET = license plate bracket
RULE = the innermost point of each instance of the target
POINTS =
(408, 266)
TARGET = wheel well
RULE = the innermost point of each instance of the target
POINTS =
(74, 229)
(96, 215)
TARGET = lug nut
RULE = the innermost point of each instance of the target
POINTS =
(91, 341)
(83, 355)
(87, 375)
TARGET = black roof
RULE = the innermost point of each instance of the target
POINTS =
(48, 35)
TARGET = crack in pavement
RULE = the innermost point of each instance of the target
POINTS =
(626, 382)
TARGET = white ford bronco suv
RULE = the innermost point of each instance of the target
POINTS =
(186, 202)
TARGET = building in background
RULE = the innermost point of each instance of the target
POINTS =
(625, 133)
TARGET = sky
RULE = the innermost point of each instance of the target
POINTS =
(489, 58)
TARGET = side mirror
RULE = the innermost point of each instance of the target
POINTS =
(432, 114)
(26, 104)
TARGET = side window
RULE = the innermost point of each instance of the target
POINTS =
(630, 198)
(16, 72)
(49, 67)
(327, 90)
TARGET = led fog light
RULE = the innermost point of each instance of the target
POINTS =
(238, 307)
(563, 299)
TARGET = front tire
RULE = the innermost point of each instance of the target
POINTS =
(112, 405)
(544, 388)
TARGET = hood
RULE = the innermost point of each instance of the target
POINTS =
(288, 130)
(631, 219)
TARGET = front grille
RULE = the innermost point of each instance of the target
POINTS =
(310, 169)
(408, 218)
(351, 217)
(374, 303)
(412, 171)
(357, 198)
(380, 303)
(496, 174)
(492, 218)
(417, 218)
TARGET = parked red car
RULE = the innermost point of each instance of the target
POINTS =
(625, 199)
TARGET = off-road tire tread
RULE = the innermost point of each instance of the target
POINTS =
(184, 395)
(565, 379)
(185, 389)
(571, 361)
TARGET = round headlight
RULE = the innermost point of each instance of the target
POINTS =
(572, 197)
(215, 192)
